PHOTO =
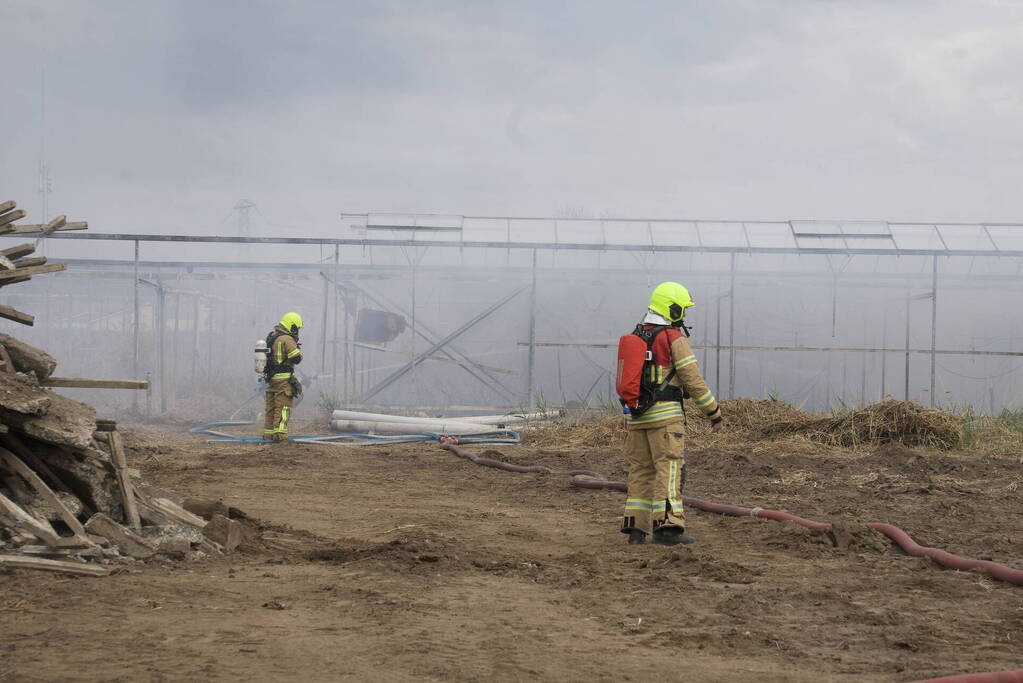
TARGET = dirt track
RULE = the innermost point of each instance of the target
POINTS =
(406, 563)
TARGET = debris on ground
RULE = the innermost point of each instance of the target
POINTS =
(68, 500)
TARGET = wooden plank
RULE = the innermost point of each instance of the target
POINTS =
(15, 281)
(15, 463)
(20, 250)
(28, 523)
(31, 228)
(35, 270)
(8, 218)
(6, 263)
(131, 512)
(94, 551)
(54, 225)
(8, 205)
(80, 568)
(164, 511)
(86, 383)
(30, 262)
(13, 442)
(11, 313)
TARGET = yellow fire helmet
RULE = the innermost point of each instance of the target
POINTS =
(670, 300)
(292, 322)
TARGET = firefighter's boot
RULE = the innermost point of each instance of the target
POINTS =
(672, 535)
(637, 537)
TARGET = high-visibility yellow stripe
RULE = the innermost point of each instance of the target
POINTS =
(637, 504)
(661, 410)
(281, 375)
(294, 353)
(673, 482)
(688, 360)
(282, 428)
(705, 399)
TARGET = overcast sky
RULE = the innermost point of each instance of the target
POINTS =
(160, 116)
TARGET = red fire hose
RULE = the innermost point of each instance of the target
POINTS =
(947, 559)
(591, 480)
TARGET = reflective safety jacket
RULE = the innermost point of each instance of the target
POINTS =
(284, 355)
(671, 349)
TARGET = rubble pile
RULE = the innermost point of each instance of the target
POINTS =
(68, 500)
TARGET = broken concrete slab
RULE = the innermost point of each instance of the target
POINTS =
(205, 508)
(227, 532)
(66, 422)
(18, 397)
(28, 358)
(94, 486)
(173, 538)
(127, 541)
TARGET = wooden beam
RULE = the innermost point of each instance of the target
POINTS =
(35, 270)
(14, 463)
(80, 568)
(28, 523)
(94, 551)
(8, 283)
(19, 250)
(7, 206)
(13, 442)
(10, 313)
(30, 262)
(131, 511)
(29, 228)
(86, 383)
(164, 511)
(9, 218)
(54, 225)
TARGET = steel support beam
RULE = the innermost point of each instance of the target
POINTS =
(395, 376)
(475, 370)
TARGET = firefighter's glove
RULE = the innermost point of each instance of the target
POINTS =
(296, 386)
(716, 424)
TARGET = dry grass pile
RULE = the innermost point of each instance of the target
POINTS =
(578, 432)
(756, 420)
(902, 422)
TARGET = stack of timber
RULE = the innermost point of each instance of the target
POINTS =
(15, 266)
(68, 500)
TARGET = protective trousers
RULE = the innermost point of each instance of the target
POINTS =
(278, 410)
(657, 474)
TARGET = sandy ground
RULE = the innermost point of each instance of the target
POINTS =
(405, 563)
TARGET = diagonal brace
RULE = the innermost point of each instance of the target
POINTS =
(398, 374)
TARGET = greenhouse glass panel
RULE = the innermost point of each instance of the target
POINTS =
(534, 231)
(627, 232)
(723, 234)
(670, 234)
(1007, 237)
(770, 235)
(916, 237)
(485, 230)
(970, 237)
(579, 232)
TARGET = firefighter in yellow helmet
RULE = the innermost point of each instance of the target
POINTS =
(283, 354)
(654, 437)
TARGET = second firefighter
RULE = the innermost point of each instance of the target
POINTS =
(283, 354)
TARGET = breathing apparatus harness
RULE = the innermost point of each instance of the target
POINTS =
(272, 367)
(636, 389)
